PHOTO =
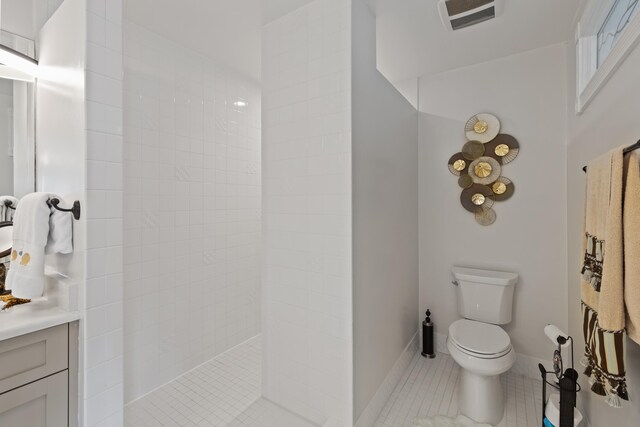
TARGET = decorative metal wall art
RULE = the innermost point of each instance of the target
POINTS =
(479, 164)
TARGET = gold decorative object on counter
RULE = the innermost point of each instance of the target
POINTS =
(11, 301)
(479, 167)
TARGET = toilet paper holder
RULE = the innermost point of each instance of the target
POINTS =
(567, 383)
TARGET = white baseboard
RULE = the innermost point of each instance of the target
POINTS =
(373, 409)
(441, 344)
(526, 366)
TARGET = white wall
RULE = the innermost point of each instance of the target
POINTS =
(17, 17)
(385, 216)
(611, 120)
(61, 136)
(79, 156)
(60, 128)
(192, 210)
(307, 314)
(26, 17)
(527, 92)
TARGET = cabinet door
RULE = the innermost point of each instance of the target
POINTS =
(43, 403)
(33, 356)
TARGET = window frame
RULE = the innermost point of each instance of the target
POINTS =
(591, 78)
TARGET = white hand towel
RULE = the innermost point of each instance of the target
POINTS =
(32, 225)
(60, 239)
(6, 212)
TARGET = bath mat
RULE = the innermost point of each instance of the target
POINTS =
(440, 421)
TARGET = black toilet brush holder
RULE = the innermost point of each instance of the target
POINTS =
(427, 337)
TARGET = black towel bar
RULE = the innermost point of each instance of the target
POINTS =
(75, 210)
(625, 151)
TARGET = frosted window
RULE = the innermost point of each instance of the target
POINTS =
(620, 15)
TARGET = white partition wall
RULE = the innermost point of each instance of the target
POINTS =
(385, 223)
(307, 314)
(79, 157)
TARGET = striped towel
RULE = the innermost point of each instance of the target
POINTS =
(602, 284)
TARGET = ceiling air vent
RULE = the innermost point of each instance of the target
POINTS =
(457, 14)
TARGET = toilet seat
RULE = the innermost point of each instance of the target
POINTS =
(481, 340)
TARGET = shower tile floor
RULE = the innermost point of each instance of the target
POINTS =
(427, 388)
(224, 391)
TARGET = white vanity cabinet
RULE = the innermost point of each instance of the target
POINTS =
(38, 378)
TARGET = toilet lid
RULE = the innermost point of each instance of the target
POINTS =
(478, 337)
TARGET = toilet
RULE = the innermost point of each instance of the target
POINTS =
(478, 345)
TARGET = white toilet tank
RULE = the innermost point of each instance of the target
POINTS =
(484, 295)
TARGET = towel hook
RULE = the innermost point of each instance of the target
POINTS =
(75, 210)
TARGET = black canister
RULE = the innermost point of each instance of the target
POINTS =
(427, 337)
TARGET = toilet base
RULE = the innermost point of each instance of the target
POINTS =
(480, 397)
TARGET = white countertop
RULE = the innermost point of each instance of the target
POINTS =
(58, 306)
(34, 316)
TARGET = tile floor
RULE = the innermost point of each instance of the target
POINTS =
(263, 413)
(427, 388)
(226, 392)
(222, 392)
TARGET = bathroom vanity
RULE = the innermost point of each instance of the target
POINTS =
(38, 366)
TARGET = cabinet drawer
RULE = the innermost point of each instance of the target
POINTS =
(33, 356)
(43, 403)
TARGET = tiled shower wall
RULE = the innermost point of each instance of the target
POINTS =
(307, 315)
(103, 322)
(192, 201)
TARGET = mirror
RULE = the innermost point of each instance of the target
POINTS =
(20, 24)
(17, 147)
(6, 234)
(6, 137)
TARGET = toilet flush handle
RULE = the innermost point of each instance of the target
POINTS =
(454, 283)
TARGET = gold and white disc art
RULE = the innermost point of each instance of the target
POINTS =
(479, 165)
